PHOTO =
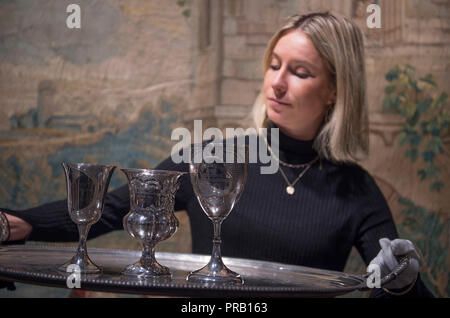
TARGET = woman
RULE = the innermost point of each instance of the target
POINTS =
(320, 203)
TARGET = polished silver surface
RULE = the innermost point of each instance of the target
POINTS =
(151, 218)
(87, 185)
(37, 265)
(218, 176)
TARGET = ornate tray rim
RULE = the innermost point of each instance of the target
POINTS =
(161, 288)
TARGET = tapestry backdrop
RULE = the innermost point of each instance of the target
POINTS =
(112, 91)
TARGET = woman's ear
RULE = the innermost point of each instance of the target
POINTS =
(332, 97)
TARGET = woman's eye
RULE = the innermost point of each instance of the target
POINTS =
(302, 75)
(274, 67)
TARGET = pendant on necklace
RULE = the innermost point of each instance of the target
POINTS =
(290, 190)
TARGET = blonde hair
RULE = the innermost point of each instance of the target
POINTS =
(343, 136)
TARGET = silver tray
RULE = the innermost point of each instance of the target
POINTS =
(37, 265)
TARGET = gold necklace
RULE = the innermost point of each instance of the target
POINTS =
(290, 188)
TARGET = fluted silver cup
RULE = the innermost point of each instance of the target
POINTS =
(151, 218)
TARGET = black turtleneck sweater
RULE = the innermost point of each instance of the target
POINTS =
(334, 207)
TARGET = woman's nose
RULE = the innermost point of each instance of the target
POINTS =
(279, 85)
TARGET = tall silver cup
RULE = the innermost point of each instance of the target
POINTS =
(87, 185)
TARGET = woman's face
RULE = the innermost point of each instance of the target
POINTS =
(297, 87)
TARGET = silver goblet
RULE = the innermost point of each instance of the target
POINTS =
(87, 185)
(151, 218)
(218, 176)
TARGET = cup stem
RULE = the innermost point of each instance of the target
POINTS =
(216, 254)
(81, 257)
(83, 230)
(147, 265)
(148, 255)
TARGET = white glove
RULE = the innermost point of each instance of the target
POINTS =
(387, 261)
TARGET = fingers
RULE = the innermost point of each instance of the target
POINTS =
(385, 243)
(389, 259)
(399, 247)
(404, 247)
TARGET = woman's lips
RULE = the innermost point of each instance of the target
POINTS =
(277, 103)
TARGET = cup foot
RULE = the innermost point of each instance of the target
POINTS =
(138, 270)
(82, 266)
(223, 277)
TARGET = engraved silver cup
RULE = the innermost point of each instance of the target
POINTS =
(151, 218)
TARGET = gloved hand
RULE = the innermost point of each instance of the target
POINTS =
(387, 261)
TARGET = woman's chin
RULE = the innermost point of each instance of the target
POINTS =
(276, 117)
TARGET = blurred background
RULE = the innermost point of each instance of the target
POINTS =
(111, 92)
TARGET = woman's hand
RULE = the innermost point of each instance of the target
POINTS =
(12, 228)
(18, 228)
(387, 260)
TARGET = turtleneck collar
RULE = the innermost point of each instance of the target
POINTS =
(292, 150)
